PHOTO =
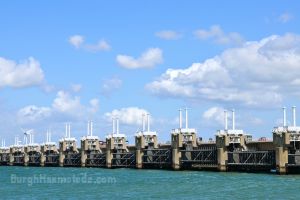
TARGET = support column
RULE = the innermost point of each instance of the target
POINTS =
(222, 157)
(61, 159)
(43, 159)
(83, 153)
(139, 159)
(176, 154)
(281, 159)
(282, 142)
(26, 158)
(176, 159)
(62, 149)
(109, 148)
(11, 159)
(139, 143)
(108, 158)
(221, 142)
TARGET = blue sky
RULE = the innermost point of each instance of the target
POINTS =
(73, 61)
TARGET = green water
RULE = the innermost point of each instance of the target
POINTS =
(95, 183)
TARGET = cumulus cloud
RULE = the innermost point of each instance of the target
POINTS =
(76, 87)
(110, 85)
(33, 113)
(78, 42)
(23, 74)
(102, 45)
(168, 35)
(257, 74)
(148, 59)
(64, 105)
(285, 17)
(129, 115)
(216, 34)
(94, 105)
(214, 115)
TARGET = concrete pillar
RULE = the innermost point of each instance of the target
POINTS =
(139, 158)
(83, 158)
(61, 159)
(26, 159)
(43, 159)
(11, 159)
(109, 157)
(282, 142)
(139, 144)
(222, 152)
(83, 153)
(109, 148)
(222, 158)
(281, 159)
(176, 154)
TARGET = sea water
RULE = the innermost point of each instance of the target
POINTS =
(98, 183)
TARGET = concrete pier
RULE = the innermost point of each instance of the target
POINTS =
(116, 150)
(89, 146)
(32, 154)
(49, 154)
(4, 155)
(144, 141)
(16, 156)
(182, 139)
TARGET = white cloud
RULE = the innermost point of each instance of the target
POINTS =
(33, 113)
(218, 36)
(110, 85)
(65, 103)
(64, 106)
(285, 17)
(129, 115)
(76, 40)
(94, 105)
(76, 87)
(214, 115)
(168, 35)
(102, 45)
(23, 74)
(257, 74)
(148, 59)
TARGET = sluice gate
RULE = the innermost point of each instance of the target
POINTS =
(51, 158)
(72, 159)
(18, 158)
(34, 158)
(201, 157)
(157, 158)
(4, 155)
(95, 159)
(251, 160)
(4, 158)
(123, 160)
